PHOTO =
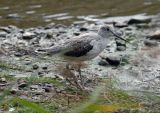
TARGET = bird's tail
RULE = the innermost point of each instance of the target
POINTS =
(51, 50)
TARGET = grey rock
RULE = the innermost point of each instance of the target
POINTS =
(83, 29)
(144, 25)
(120, 42)
(45, 67)
(30, 12)
(34, 87)
(3, 80)
(76, 34)
(139, 21)
(120, 25)
(113, 60)
(155, 35)
(2, 84)
(150, 43)
(47, 89)
(78, 23)
(35, 6)
(13, 16)
(3, 34)
(41, 74)
(50, 26)
(18, 54)
(14, 90)
(28, 62)
(49, 35)
(22, 84)
(28, 35)
(121, 48)
(12, 74)
(49, 85)
(35, 66)
(5, 29)
(102, 63)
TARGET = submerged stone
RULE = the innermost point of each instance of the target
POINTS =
(150, 43)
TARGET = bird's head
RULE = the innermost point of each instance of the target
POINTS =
(107, 31)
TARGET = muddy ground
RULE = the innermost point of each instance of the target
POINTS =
(137, 71)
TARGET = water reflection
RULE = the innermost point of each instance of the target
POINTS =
(26, 13)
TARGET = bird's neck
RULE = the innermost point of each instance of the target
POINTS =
(101, 34)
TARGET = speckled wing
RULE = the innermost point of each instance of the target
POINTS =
(75, 47)
(79, 46)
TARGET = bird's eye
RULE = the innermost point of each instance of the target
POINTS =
(107, 29)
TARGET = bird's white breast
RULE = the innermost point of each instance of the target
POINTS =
(98, 47)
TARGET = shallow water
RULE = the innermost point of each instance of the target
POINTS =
(29, 13)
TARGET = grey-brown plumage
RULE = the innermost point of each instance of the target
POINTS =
(79, 51)
(84, 47)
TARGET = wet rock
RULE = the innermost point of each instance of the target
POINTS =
(2, 85)
(22, 52)
(121, 48)
(3, 34)
(133, 19)
(113, 60)
(35, 6)
(55, 15)
(120, 25)
(13, 16)
(28, 35)
(83, 29)
(45, 67)
(120, 42)
(18, 54)
(12, 74)
(14, 90)
(41, 74)
(64, 18)
(30, 12)
(62, 32)
(150, 43)
(5, 8)
(34, 87)
(78, 23)
(58, 90)
(121, 45)
(155, 36)
(76, 34)
(35, 66)
(47, 89)
(5, 29)
(142, 25)
(27, 63)
(60, 26)
(49, 85)
(22, 83)
(50, 26)
(49, 35)
(102, 63)
(3, 80)
(139, 21)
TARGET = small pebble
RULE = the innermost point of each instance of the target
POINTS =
(35, 66)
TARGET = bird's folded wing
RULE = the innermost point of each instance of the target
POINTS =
(80, 43)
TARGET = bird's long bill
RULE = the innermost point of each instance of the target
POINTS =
(115, 34)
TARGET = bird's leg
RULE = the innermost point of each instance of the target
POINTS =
(80, 65)
(73, 79)
(80, 74)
